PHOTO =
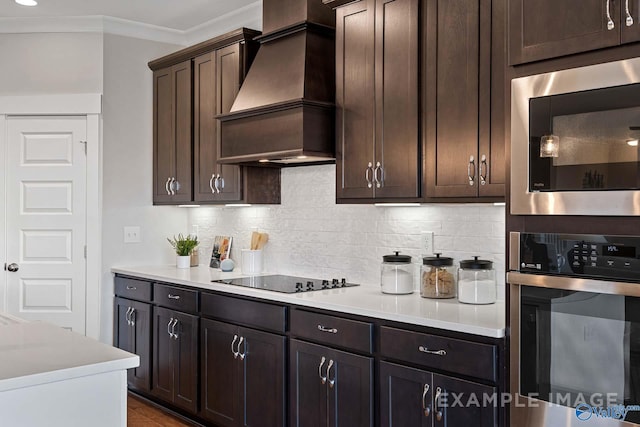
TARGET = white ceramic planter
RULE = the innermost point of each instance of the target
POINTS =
(183, 261)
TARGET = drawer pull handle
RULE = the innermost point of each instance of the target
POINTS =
(425, 407)
(322, 379)
(131, 288)
(175, 297)
(325, 329)
(331, 381)
(424, 349)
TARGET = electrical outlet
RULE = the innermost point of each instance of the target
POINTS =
(427, 242)
(132, 234)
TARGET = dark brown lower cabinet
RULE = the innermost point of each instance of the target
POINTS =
(329, 387)
(243, 376)
(414, 397)
(175, 358)
(133, 334)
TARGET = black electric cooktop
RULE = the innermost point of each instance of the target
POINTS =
(286, 284)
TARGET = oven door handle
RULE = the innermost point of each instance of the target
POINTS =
(574, 284)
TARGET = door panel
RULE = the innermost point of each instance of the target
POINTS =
(140, 377)
(182, 131)
(467, 412)
(46, 219)
(163, 369)
(307, 394)
(164, 160)
(220, 374)
(405, 396)
(263, 379)
(396, 83)
(354, 99)
(186, 362)
(123, 333)
(204, 126)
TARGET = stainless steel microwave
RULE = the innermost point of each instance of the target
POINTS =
(574, 141)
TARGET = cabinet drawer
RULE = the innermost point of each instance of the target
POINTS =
(175, 298)
(336, 331)
(433, 351)
(133, 288)
(250, 313)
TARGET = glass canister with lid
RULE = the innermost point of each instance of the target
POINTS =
(396, 276)
(476, 282)
(438, 278)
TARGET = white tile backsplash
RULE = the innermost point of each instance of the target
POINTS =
(309, 235)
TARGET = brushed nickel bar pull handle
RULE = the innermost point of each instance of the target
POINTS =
(366, 175)
(239, 343)
(329, 330)
(629, 20)
(166, 186)
(175, 297)
(375, 175)
(132, 317)
(169, 328)
(244, 348)
(331, 381)
(131, 288)
(173, 329)
(235, 353)
(221, 179)
(471, 170)
(322, 379)
(483, 177)
(128, 314)
(215, 185)
(424, 349)
(425, 406)
(435, 404)
(213, 175)
(610, 24)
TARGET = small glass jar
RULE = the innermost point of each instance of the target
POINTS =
(476, 282)
(396, 275)
(438, 278)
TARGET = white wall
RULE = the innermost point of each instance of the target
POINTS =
(309, 235)
(128, 166)
(45, 63)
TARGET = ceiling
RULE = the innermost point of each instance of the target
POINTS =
(175, 14)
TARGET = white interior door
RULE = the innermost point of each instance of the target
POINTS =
(46, 179)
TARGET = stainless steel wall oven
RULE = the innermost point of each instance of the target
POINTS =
(574, 141)
(574, 330)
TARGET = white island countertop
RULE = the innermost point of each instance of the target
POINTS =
(364, 300)
(36, 353)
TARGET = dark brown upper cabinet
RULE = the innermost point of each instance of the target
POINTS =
(550, 28)
(464, 99)
(377, 55)
(172, 134)
(187, 134)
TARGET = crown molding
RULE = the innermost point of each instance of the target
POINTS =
(249, 16)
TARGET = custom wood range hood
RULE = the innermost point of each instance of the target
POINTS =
(284, 112)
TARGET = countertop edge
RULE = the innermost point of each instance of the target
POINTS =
(488, 332)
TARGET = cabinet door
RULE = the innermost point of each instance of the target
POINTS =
(461, 403)
(140, 377)
(172, 134)
(354, 100)
(122, 334)
(217, 80)
(229, 74)
(453, 96)
(307, 393)
(163, 369)
(405, 396)
(350, 389)
(186, 361)
(164, 161)
(263, 379)
(220, 373)
(630, 33)
(544, 29)
(397, 156)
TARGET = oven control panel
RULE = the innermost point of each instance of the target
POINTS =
(588, 255)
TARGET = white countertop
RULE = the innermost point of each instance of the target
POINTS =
(365, 300)
(34, 353)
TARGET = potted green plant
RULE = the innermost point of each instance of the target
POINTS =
(183, 245)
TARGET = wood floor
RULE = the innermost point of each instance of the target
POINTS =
(142, 414)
